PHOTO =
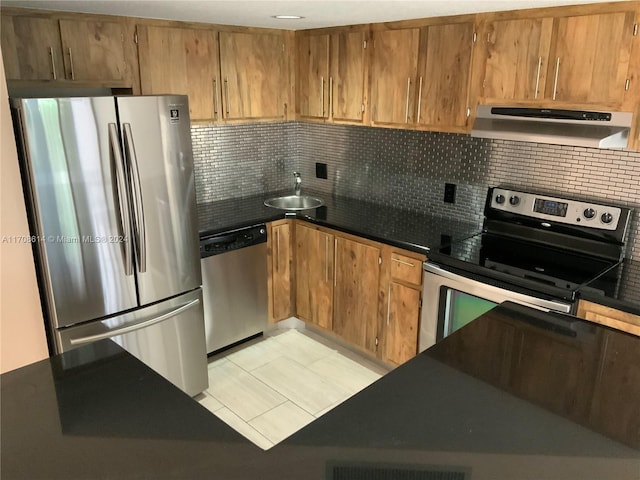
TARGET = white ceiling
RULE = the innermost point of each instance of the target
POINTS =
(258, 13)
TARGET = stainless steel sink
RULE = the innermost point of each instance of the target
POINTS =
(294, 202)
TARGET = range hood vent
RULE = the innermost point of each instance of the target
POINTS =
(562, 127)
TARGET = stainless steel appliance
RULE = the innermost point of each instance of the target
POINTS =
(111, 196)
(535, 250)
(234, 281)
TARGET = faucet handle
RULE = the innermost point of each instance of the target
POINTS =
(297, 177)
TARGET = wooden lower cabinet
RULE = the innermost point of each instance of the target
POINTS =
(280, 274)
(314, 276)
(594, 312)
(401, 327)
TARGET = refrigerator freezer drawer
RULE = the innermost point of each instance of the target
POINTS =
(168, 336)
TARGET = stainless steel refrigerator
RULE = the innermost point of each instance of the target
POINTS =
(111, 196)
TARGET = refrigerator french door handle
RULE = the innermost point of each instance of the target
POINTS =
(141, 232)
(137, 326)
(123, 198)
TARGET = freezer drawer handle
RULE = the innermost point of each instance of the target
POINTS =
(137, 326)
(123, 205)
(141, 233)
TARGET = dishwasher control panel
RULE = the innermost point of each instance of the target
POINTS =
(232, 240)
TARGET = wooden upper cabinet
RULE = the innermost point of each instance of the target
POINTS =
(590, 58)
(348, 81)
(517, 56)
(443, 85)
(31, 48)
(314, 276)
(313, 76)
(94, 50)
(393, 76)
(251, 67)
(181, 61)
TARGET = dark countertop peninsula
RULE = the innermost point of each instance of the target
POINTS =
(401, 228)
(516, 394)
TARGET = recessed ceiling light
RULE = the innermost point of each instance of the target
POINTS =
(287, 17)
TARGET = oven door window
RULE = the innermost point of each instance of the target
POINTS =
(461, 308)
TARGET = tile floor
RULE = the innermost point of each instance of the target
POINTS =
(270, 388)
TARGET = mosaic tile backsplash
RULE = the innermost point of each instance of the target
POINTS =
(407, 169)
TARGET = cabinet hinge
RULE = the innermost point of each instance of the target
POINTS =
(364, 44)
(379, 260)
(420, 303)
(475, 37)
(635, 29)
(626, 85)
(468, 112)
(135, 38)
(376, 341)
(362, 108)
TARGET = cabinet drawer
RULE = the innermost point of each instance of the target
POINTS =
(406, 269)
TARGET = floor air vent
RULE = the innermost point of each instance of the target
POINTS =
(394, 472)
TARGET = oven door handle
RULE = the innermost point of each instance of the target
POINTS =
(514, 296)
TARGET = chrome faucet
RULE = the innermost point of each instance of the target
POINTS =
(298, 181)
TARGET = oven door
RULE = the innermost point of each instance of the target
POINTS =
(451, 300)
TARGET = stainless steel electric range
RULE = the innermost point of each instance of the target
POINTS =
(534, 249)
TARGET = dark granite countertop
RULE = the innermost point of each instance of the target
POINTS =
(515, 394)
(401, 228)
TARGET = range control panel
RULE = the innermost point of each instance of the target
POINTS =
(560, 210)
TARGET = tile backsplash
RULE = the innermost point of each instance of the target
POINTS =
(407, 169)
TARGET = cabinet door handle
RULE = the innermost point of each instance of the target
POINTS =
(215, 98)
(73, 75)
(326, 259)
(555, 81)
(538, 77)
(322, 94)
(53, 64)
(335, 261)
(277, 250)
(226, 90)
(408, 264)
(388, 304)
(330, 97)
(419, 98)
(406, 108)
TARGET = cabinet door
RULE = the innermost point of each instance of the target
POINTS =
(517, 54)
(253, 82)
(280, 263)
(313, 75)
(395, 63)
(94, 50)
(591, 58)
(181, 61)
(31, 48)
(444, 79)
(401, 329)
(314, 276)
(357, 282)
(348, 76)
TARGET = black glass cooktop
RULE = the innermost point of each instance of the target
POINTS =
(533, 266)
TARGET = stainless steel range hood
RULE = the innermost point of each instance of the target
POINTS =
(562, 127)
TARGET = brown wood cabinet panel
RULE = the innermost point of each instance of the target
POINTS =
(348, 76)
(313, 76)
(94, 50)
(356, 292)
(393, 76)
(517, 55)
(280, 265)
(401, 329)
(31, 48)
(443, 86)
(590, 58)
(181, 61)
(251, 65)
(314, 276)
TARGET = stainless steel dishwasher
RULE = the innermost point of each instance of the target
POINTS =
(234, 284)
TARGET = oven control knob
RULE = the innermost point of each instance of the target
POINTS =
(515, 200)
(500, 199)
(606, 218)
(589, 213)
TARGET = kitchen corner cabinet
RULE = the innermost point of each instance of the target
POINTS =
(594, 312)
(279, 264)
(313, 76)
(314, 276)
(253, 79)
(181, 61)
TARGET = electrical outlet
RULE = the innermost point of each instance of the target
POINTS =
(321, 170)
(449, 193)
